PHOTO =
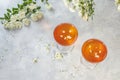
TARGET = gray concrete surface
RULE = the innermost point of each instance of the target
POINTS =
(19, 48)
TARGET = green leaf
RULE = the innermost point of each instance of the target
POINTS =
(42, 0)
(28, 11)
(9, 10)
(15, 12)
(38, 7)
(47, 3)
(34, 2)
(25, 4)
(8, 14)
(20, 6)
(34, 10)
(69, 0)
(1, 18)
(30, 0)
(24, 0)
(14, 9)
(6, 17)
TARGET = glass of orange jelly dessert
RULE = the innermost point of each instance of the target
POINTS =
(65, 34)
(94, 51)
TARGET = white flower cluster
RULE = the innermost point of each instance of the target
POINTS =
(117, 2)
(20, 19)
(58, 56)
(15, 21)
(32, 6)
(12, 25)
(77, 6)
(36, 16)
(73, 6)
(26, 22)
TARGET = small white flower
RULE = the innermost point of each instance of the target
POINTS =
(118, 8)
(21, 15)
(72, 9)
(75, 1)
(26, 22)
(58, 56)
(13, 24)
(48, 6)
(66, 2)
(34, 17)
(117, 1)
(18, 24)
(77, 6)
(14, 17)
(35, 60)
(70, 5)
(85, 17)
(6, 25)
(79, 13)
(32, 6)
(9, 25)
(39, 15)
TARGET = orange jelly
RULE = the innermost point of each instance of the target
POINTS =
(94, 50)
(65, 34)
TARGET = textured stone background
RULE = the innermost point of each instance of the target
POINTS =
(19, 48)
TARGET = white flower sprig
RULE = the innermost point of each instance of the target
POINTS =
(117, 2)
(15, 18)
(85, 8)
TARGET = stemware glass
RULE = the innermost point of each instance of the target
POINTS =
(65, 34)
(93, 52)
